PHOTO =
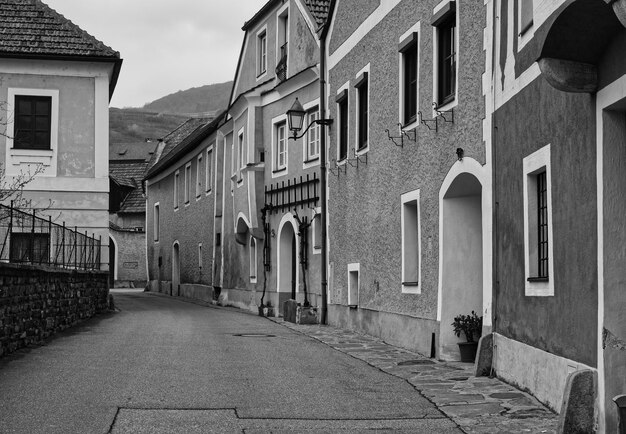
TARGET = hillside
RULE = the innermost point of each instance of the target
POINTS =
(136, 125)
(209, 98)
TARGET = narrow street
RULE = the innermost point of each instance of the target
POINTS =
(162, 365)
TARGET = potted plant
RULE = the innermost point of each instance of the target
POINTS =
(471, 325)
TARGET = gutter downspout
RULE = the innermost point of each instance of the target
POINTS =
(324, 258)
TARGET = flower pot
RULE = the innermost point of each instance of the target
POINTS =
(468, 351)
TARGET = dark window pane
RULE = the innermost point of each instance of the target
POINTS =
(447, 61)
(32, 122)
(343, 132)
(410, 85)
(363, 103)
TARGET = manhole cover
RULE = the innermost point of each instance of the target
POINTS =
(506, 395)
(254, 335)
(416, 362)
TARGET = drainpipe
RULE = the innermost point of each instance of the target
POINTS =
(324, 258)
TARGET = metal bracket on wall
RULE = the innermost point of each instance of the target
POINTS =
(428, 122)
(337, 169)
(446, 115)
(362, 158)
(403, 133)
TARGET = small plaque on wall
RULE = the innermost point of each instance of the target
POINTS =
(131, 265)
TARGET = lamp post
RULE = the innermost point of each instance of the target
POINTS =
(295, 118)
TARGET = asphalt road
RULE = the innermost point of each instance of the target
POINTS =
(162, 365)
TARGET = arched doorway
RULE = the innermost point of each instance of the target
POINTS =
(287, 282)
(461, 274)
(112, 262)
(175, 269)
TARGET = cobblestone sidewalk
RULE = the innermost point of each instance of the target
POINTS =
(476, 404)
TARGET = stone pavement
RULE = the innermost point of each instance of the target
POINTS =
(475, 404)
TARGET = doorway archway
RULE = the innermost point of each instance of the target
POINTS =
(112, 262)
(461, 257)
(287, 251)
(175, 289)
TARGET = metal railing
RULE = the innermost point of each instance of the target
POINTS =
(28, 239)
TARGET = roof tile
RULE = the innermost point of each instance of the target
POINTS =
(31, 28)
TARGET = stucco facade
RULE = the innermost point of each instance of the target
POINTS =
(371, 188)
(263, 243)
(73, 77)
(557, 110)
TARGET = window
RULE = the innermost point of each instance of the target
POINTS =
(362, 117)
(199, 177)
(446, 58)
(176, 184)
(253, 260)
(187, 182)
(525, 13)
(200, 255)
(408, 78)
(538, 224)
(317, 232)
(32, 122)
(261, 53)
(281, 147)
(342, 112)
(241, 152)
(29, 247)
(282, 36)
(313, 137)
(411, 260)
(353, 284)
(156, 222)
(209, 169)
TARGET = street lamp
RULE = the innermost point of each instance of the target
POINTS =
(295, 117)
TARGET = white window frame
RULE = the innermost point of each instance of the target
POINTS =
(524, 37)
(176, 189)
(252, 245)
(18, 160)
(199, 177)
(208, 171)
(279, 122)
(411, 250)
(284, 10)
(156, 221)
(366, 69)
(309, 160)
(241, 155)
(414, 29)
(345, 86)
(261, 53)
(354, 268)
(455, 101)
(187, 185)
(316, 231)
(535, 163)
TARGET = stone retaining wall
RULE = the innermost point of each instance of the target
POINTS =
(36, 302)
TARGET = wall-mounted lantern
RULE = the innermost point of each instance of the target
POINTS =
(295, 119)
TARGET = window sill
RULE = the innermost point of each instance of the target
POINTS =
(410, 284)
(284, 169)
(311, 160)
(362, 150)
(342, 160)
(32, 150)
(538, 279)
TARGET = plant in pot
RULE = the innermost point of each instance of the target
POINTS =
(471, 325)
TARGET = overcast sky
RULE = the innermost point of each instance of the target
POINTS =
(167, 45)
